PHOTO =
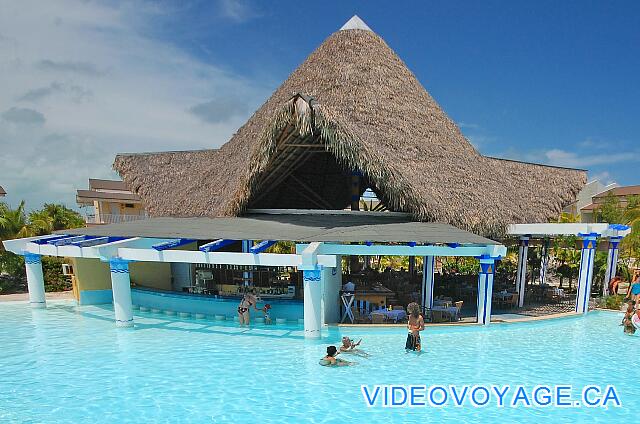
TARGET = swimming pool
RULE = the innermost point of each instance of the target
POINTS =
(71, 364)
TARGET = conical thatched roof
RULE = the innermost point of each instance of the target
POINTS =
(352, 106)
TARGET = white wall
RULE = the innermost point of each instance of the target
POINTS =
(332, 283)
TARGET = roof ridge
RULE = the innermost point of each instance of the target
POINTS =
(166, 151)
(355, 23)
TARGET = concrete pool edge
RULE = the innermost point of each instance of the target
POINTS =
(494, 320)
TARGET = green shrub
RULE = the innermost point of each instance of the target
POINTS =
(54, 280)
(13, 275)
(611, 302)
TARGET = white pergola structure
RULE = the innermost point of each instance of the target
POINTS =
(589, 234)
(320, 261)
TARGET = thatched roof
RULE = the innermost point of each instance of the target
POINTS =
(353, 105)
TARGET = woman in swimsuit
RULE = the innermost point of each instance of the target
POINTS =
(248, 300)
(415, 325)
(331, 361)
(634, 288)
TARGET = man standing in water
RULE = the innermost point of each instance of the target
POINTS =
(415, 325)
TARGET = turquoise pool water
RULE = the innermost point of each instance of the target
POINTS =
(70, 364)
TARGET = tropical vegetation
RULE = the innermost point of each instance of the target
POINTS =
(16, 223)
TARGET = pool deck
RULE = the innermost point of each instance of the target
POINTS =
(499, 318)
(16, 297)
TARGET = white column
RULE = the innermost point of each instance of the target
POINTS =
(428, 267)
(612, 263)
(521, 277)
(35, 280)
(586, 272)
(246, 245)
(544, 261)
(121, 288)
(331, 285)
(485, 290)
(312, 281)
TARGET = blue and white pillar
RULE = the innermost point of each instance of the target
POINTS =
(544, 261)
(246, 276)
(121, 288)
(428, 269)
(35, 280)
(312, 282)
(485, 290)
(612, 263)
(586, 272)
(521, 276)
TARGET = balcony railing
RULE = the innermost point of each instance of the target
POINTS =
(107, 218)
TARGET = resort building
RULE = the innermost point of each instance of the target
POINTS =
(108, 202)
(588, 213)
(585, 198)
(266, 210)
(2, 192)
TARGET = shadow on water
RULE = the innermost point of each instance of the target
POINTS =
(152, 321)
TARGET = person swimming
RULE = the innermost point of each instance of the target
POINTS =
(330, 359)
(348, 346)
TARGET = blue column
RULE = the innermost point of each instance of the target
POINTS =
(427, 281)
(612, 263)
(35, 280)
(521, 277)
(121, 288)
(485, 289)
(586, 272)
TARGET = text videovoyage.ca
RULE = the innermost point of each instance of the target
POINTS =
(440, 396)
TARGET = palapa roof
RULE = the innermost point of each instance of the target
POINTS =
(353, 106)
(2, 192)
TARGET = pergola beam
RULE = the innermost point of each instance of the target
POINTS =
(403, 250)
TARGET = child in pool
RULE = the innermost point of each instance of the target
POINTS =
(267, 317)
(628, 313)
(330, 359)
(348, 346)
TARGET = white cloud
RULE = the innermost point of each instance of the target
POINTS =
(560, 157)
(95, 86)
(237, 10)
(604, 177)
(571, 159)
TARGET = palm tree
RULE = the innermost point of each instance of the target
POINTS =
(62, 217)
(40, 222)
(13, 222)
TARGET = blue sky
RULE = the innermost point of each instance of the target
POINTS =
(545, 81)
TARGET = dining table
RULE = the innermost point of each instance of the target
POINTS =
(452, 311)
(442, 303)
(395, 314)
(502, 295)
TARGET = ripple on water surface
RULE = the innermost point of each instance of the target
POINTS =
(70, 364)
